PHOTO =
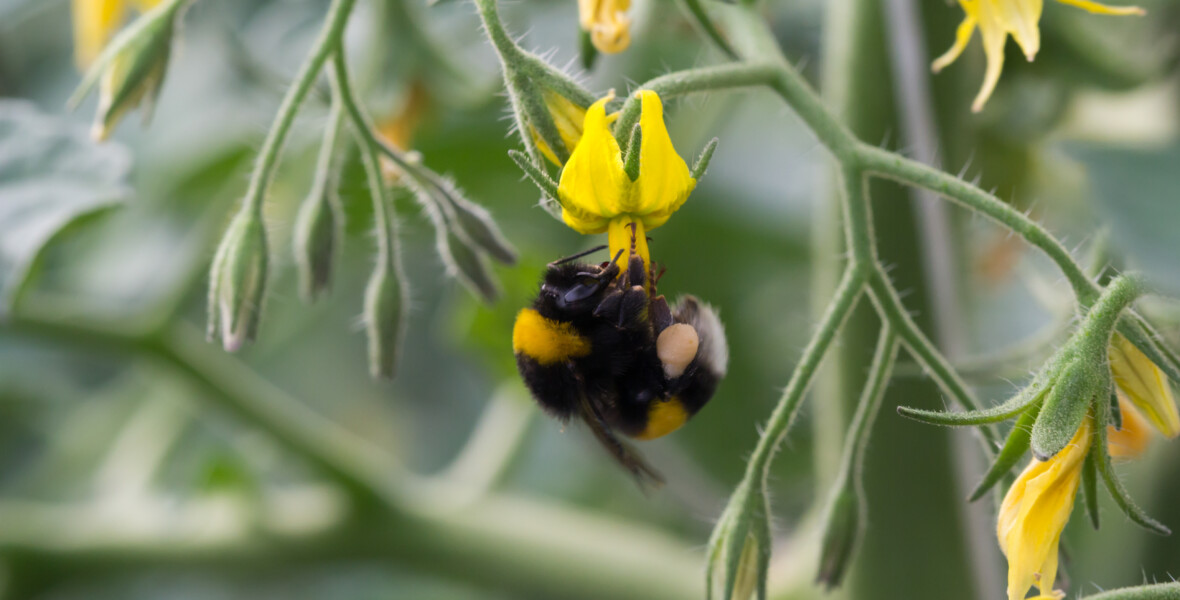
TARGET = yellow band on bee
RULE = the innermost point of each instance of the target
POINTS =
(546, 341)
(663, 417)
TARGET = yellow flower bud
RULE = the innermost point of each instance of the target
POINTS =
(1144, 384)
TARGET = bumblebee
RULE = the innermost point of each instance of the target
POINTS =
(600, 345)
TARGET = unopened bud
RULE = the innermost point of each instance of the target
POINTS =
(481, 229)
(842, 531)
(465, 264)
(237, 285)
(385, 316)
(134, 71)
(316, 232)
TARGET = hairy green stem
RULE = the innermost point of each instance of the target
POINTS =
(850, 287)
(268, 157)
(386, 227)
(705, 79)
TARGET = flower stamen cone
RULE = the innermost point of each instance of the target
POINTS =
(1144, 384)
(996, 20)
(596, 193)
(1034, 513)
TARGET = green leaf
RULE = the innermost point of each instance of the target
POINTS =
(1115, 486)
(1135, 194)
(51, 176)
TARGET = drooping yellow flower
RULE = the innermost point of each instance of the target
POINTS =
(997, 19)
(567, 117)
(1144, 384)
(596, 193)
(1035, 511)
(607, 22)
(1131, 440)
(95, 21)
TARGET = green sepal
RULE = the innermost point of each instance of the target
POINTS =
(631, 159)
(1116, 412)
(843, 527)
(1014, 448)
(702, 163)
(539, 177)
(1065, 407)
(1002, 412)
(1090, 488)
(476, 223)
(1115, 486)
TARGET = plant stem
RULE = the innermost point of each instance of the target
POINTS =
(272, 148)
(386, 226)
(850, 287)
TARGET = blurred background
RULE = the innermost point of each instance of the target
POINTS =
(128, 472)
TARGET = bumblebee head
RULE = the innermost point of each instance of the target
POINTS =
(574, 289)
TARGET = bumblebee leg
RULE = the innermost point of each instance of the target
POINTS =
(626, 456)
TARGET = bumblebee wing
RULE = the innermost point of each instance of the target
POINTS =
(622, 452)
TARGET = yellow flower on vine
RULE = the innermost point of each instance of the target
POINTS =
(996, 19)
(607, 22)
(1144, 384)
(96, 21)
(1035, 511)
(596, 192)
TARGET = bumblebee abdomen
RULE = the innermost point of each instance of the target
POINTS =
(663, 417)
(546, 341)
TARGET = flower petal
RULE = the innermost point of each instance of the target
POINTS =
(94, 23)
(994, 36)
(1103, 9)
(1022, 18)
(1144, 384)
(664, 181)
(962, 37)
(1034, 512)
(593, 185)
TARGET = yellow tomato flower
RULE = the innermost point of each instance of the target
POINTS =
(997, 19)
(567, 117)
(1144, 384)
(95, 21)
(1132, 439)
(597, 195)
(1035, 511)
(607, 22)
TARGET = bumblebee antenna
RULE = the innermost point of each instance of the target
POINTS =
(578, 255)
